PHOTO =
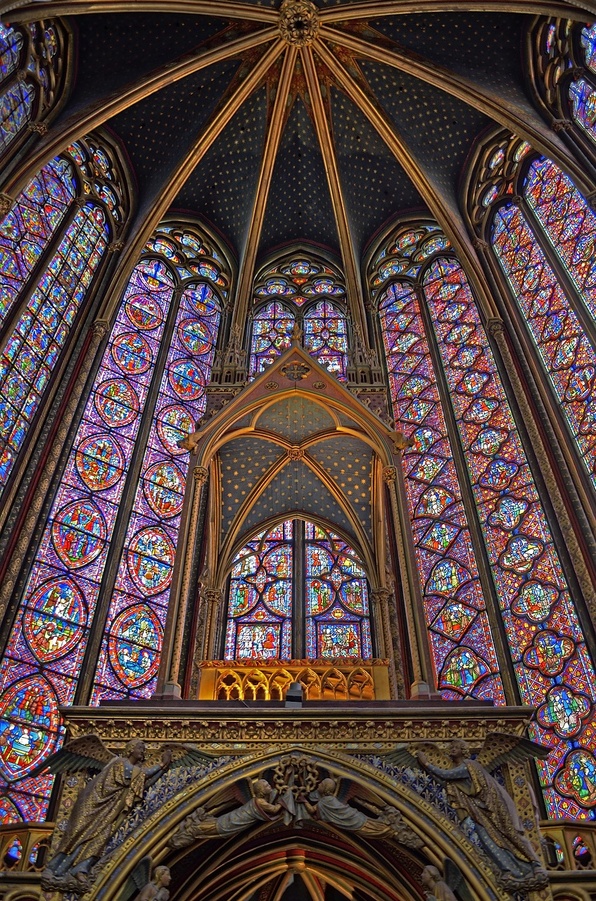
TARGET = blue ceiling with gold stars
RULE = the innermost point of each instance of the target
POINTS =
(318, 170)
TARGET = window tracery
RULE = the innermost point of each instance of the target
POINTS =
(32, 76)
(266, 603)
(52, 245)
(300, 289)
(542, 629)
(542, 232)
(119, 500)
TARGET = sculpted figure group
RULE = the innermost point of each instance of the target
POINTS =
(299, 795)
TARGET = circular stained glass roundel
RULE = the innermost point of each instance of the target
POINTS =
(132, 353)
(134, 645)
(116, 402)
(164, 489)
(195, 336)
(100, 462)
(173, 424)
(150, 560)
(79, 532)
(144, 312)
(28, 725)
(187, 380)
(54, 619)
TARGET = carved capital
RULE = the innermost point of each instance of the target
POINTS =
(200, 474)
(495, 326)
(100, 329)
(560, 125)
(389, 474)
(116, 247)
(591, 200)
(480, 244)
(298, 22)
(381, 595)
(213, 596)
(39, 128)
(6, 202)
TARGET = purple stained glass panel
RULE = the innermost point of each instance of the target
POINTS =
(45, 650)
(462, 645)
(271, 335)
(259, 624)
(27, 229)
(131, 647)
(563, 346)
(16, 106)
(336, 598)
(33, 349)
(583, 105)
(325, 337)
(543, 631)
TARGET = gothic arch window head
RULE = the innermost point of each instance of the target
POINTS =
(91, 619)
(564, 59)
(475, 508)
(297, 591)
(53, 249)
(300, 288)
(541, 232)
(34, 62)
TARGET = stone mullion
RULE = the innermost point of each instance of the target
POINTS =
(390, 648)
(29, 529)
(418, 648)
(496, 328)
(181, 587)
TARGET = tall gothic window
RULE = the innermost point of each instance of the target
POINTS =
(297, 590)
(303, 290)
(90, 624)
(32, 62)
(543, 238)
(53, 245)
(481, 515)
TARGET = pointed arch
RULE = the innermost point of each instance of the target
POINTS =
(91, 619)
(515, 539)
(300, 288)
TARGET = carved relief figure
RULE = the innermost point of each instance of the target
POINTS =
(200, 824)
(103, 803)
(478, 797)
(157, 889)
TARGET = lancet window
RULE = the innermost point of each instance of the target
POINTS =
(53, 245)
(542, 239)
(91, 620)
(297, 591)
(305, 292)
(484, 514)
(32, 63)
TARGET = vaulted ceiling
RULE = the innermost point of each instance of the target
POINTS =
(296, 121)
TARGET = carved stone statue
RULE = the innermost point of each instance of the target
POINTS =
(435, 887)
(157, 889)
(200, 824)
(328, 808)
(103, 803)
(479, 798)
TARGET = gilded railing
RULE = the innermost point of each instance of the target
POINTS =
(569, 845)
(24, 847)
(268, 680)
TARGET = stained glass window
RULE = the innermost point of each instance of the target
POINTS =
(261, 615)
(51, 249)
(336, 597)
(582, 93)
(551, 662)
(463, 649)
(31, 70)
(310, 293)
(554, 321)
(139, 390)
(260, 598)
